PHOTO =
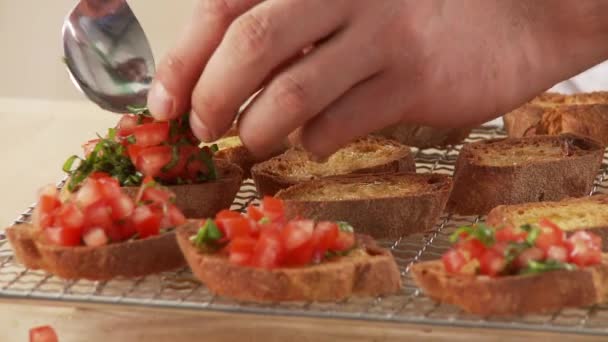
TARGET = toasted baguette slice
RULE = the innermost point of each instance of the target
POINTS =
(551, 113)
(369, 271)
(513, 295)
(518, 170)
(127, 259)
(366, 155)
(570, 214)
(383, 206)
(206, 199)
(424, 136)
(231, 148)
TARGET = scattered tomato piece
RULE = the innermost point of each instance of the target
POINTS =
(43, 334)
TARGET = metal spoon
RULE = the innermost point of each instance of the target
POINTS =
(107, 54)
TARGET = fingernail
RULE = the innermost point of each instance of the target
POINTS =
(160, 102)
(199, 129)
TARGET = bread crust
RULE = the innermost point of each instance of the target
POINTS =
(478, 188)
(390, 216)
(372, 275)
(425, 136)
(127, 259)
(268, 182)
(512, 295)
(206, 199)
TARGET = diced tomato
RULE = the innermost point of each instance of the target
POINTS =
(176, 217)
(63, 236)
(472, 248)
(302, 255)
(324, 236)
(98, 214)
(89, 193)
(254, 213)
(110, 187)
(147, 180)
(194, 168)
(343, 242)
(43, 334)
(273, 208)
(133, 152)
(550, 235)
(227, 214)
(453, 261)
(44, 214)
(584, 249)
(70, 216)
(95, 237)
(241, 250)
(492, 263)
(557, 253)
(97, 175)
(268, 251)
(186, 155)
(233, 227)
(121, 230)
(121, 206)
(151, 160)
(89, 146)
(151, 134)
(126, 125)
(157, 195)
(529, 254)
(510, 234)
(296, 233)
(147, 221)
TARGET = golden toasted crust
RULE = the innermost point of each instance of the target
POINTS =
(424, 136)
(512, 295)
(206, 199)
(364, 156)
(383, 206)
(584, 114)
(128, 259)
(372, 274)
(518, 170)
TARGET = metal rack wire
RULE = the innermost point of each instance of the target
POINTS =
(180, 290)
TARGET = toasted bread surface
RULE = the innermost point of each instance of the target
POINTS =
(513, 295)
(231, 148)
(383, 206)
(552, 113)
(127, 259)
(370, 272)
(424, 136)
(366, 155)
(519, 170)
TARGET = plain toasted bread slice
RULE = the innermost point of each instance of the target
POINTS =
(127, 259)
(206, 199)
(383, 206)
(231, 148)
(552, 113)
(366, 155)
(369, 271)
(513, 295)
(424, 136)
(518, 170)
(569, 214)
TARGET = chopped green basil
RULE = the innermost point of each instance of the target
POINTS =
(208, 234)
(513, 250)
(535, 267)
(345, 227)
(214, 148)
(479, 231)
(174, 159)
(533, 234)
(264, 220)
(67, 166)
(142, 110)
(131, 139)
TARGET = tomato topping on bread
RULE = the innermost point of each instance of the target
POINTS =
(99, 212)
(508, 250)
(263, 238)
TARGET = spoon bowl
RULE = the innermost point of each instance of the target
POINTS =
(107, 54)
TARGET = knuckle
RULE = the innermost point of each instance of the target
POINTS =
(207, 106)
(250, 35)
(290, 95)
(173, 64)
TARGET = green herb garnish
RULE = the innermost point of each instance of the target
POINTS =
(264, 220)
(208, 235)
(535, 267)
(345, 227)
(533, 234)
(174, 159)
(479, 231)
(141, 110)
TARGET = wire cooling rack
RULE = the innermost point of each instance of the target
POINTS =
(180, 290)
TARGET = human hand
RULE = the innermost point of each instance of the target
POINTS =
(374, 63)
